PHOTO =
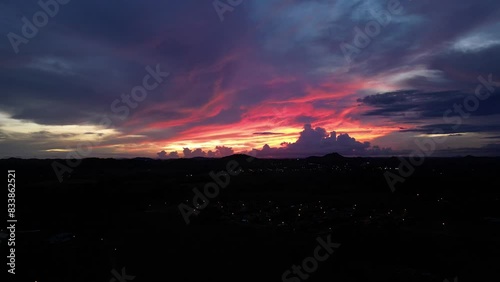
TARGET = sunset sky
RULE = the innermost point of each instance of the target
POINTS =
(285, 78)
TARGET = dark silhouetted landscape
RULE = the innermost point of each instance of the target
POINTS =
(442, 222)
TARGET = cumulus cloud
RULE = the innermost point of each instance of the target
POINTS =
(311, 142)
(223, 151)
(317, 141)
(171, 155)
(188, 153)
(218, 152)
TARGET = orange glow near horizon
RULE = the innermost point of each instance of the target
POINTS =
(272, 123)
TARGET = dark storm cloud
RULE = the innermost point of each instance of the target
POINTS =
(465, 63)
(415, 105)
(448, 128)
